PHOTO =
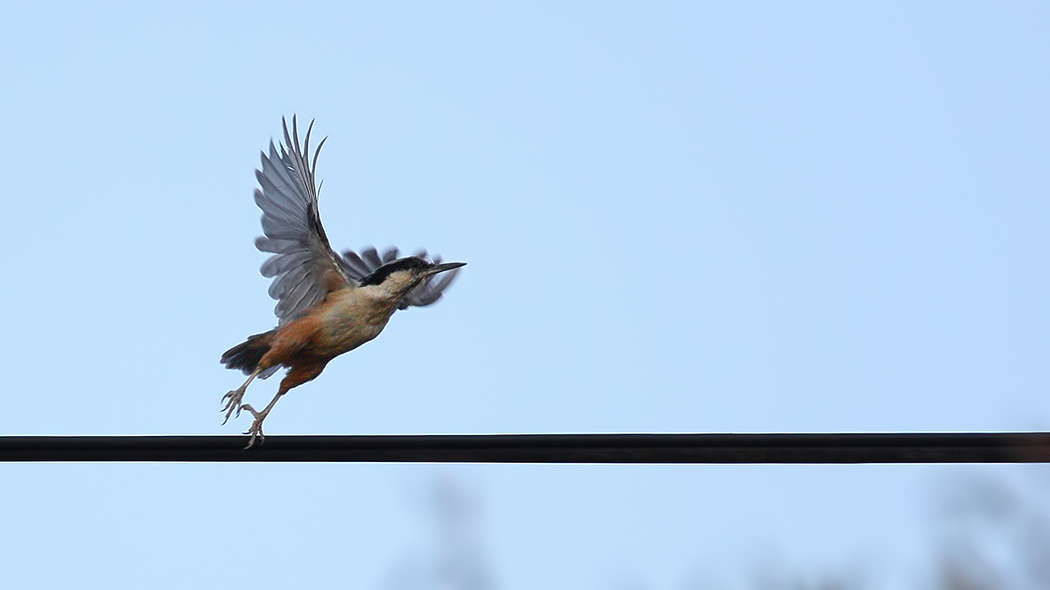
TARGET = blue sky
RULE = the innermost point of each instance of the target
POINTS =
(762, 217)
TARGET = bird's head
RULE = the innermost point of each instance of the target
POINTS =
(395, 279)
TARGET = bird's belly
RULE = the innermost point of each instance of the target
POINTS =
(347, 328)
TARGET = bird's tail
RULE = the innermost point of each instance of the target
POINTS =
(246, 355)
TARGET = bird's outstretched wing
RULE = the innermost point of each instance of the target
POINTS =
(304, 267)
(358, 266)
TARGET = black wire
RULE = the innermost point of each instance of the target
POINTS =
(1027, 447)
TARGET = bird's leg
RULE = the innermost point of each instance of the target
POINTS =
(232, 399)
(297, 375)
(256, 429)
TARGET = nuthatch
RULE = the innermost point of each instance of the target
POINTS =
(327, 304)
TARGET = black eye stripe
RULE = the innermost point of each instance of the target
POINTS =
(380, 274)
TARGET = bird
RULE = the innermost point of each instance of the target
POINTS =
(327, 303)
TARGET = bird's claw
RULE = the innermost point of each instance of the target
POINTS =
(255, 430)
(232, 404)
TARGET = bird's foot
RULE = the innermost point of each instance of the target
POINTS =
(255, 430)
(232, 401)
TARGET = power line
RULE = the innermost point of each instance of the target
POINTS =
(800, 448)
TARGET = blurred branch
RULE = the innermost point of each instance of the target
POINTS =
(454, 559)
(995, 534)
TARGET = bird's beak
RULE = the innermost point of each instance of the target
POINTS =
(444, 266)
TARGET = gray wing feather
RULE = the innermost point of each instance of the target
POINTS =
(427, 292)
(358, 267)
(278, 265)
(371, 256)
(361, 265)
(303, 266)
(301, 296)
